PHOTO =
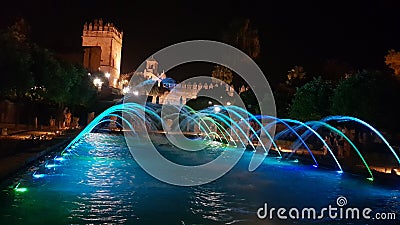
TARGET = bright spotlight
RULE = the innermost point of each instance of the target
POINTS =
(107, 75)
(125, 89)
(21, 189)
(228, 103)
(97, 82)
(217, 109)
(136, 93)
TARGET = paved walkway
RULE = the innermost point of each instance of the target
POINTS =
(16, 153)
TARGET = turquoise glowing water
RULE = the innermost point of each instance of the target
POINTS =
(104, 185)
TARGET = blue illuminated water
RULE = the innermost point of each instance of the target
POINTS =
(104, 185)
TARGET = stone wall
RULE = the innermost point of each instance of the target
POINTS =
(10, 112)
(92, 58)
(185, 91)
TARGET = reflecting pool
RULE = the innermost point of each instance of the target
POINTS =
(100, 183)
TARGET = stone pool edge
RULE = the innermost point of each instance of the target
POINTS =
(10, 166)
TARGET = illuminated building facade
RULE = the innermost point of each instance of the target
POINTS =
(102, 45)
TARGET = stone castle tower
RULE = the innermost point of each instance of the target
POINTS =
(102, 45)
(151, 66)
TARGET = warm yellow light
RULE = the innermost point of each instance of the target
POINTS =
(228, 103)
(107, 74)
(125, 90)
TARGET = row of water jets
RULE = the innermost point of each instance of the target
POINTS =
(231, 125)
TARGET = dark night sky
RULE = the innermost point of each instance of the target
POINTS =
(291, 32)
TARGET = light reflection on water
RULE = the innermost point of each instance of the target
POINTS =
(104, 185)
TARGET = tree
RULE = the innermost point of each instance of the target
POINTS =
(392, 59)
(34, 76)
(284, 92)
(49, 75)
(283, 96)
(15, 63)
(242, 35)
(312, 100)
(335, 70)
(208, 97)
(250, 101)
(296, 76)
(20, 30)
(201, 102)
(222, 73)
(31, 73)
(369, 95)
(81, 90)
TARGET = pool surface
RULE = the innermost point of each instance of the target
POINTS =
(103, 184)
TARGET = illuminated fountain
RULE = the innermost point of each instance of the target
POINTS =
(229, 125)
(97, 178)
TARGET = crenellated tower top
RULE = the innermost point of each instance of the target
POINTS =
(98, 27)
